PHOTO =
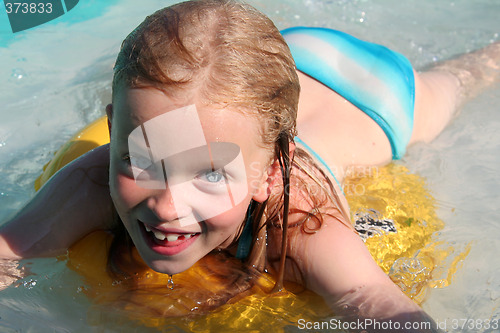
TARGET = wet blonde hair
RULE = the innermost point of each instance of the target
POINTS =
(227, 54)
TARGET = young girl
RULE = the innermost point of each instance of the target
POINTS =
(212, 149)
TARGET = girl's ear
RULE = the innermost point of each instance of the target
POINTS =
(109, 113)
(271, 176)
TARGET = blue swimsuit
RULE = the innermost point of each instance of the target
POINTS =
(376, 80)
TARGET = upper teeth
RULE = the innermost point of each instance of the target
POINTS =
(170, 237)
(161, 236)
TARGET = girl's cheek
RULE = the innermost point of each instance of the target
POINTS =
(123, 189)
(232, 218)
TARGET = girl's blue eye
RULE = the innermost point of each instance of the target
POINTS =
(213, 176)
(140, 162)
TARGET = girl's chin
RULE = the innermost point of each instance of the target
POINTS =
(168, 268)
(172, 265)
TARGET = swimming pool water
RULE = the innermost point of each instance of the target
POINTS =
(55, 78)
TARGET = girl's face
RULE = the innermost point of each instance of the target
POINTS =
(181, 176)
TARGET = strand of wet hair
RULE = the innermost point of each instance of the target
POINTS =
(284, 160)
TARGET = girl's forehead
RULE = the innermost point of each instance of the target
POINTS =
(169, 133)
(182, 119)
(139, 105)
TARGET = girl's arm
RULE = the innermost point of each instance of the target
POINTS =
(337, 265)
(72, 204)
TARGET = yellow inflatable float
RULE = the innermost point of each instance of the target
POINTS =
(393, 211)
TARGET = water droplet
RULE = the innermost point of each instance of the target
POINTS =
(18, 73)
(170, 282)
(29, 284)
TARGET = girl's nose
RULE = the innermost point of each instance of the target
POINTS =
(166, 207)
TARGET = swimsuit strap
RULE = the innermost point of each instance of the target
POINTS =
(319, 158)
(245, 241)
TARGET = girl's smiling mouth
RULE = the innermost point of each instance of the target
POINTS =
(167, 242)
